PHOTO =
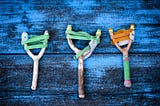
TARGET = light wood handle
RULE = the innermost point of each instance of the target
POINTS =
(35, 75)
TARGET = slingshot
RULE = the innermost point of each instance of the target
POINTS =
(35, 42)
(82, 54)
(122, 38)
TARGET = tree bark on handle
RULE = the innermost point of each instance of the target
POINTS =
(35, 75)
(81, 77)
(81, 90)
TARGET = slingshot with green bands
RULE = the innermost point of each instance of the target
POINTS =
(35, 42)
(94, 40)
(82, 54)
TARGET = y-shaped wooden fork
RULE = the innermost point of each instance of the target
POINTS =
(35, 58)
(121, 38)
(81, 58)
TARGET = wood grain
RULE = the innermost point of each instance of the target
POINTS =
(58, 83)
(35, 17)
(107, 79)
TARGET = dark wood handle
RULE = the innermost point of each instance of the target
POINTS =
(81, 77)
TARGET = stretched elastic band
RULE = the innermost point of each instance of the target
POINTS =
(84, 36)
(36, 42)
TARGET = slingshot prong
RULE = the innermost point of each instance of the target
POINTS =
(46, 32)
(24, 36)
(69, 27)
(110, 32)
(132, 26)
(98, 32)
(132, 33)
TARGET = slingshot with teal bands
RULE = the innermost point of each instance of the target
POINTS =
(82, 54)
(35, 42)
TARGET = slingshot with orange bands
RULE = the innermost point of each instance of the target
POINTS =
(122, 38)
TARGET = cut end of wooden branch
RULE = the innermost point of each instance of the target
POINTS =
(127, 83)
(69, 27)
(81, 96)
(132, 26)
(33, 87)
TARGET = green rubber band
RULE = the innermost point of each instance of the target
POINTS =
(35, 47)
(126, 68)
(82, 36)
(35, 38)
(36, 42)
(81, 52)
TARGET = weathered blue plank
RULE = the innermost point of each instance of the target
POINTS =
(58, 74)
(101, 100)
(35, 17)
(57, 83)
(58, 80)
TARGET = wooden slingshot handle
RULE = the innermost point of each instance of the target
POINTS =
(81, 77)
(35, 75)
(36, 59)
(81, 92)
(35, 67)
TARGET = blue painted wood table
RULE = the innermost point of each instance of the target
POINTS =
(57, 83)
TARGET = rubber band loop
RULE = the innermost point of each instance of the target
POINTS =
(36, 42)
(81, 52)
(83, 36)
